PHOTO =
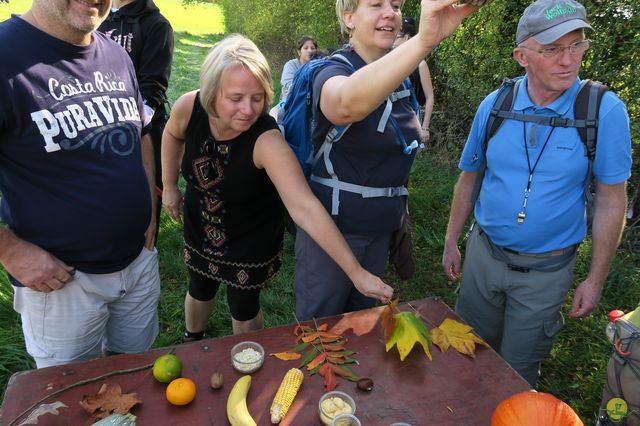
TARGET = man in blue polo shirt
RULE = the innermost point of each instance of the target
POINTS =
(530, 211)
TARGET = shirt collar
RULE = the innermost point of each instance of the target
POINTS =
(560, 106)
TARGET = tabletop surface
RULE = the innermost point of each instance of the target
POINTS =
(452, 389)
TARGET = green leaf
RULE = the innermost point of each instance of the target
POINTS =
(308, 357)
(409, 330)
(299, 347)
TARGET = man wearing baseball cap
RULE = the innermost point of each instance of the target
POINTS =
(530, 211)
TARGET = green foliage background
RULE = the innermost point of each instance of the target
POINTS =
(467, 66)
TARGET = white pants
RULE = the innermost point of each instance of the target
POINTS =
(116, 312)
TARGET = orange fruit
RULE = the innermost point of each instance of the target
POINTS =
(181, 391)
(167, 368)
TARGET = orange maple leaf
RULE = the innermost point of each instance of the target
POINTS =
(362, 322)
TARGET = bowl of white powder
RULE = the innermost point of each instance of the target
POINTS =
(247, 357)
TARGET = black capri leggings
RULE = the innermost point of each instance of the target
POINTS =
(243, 304)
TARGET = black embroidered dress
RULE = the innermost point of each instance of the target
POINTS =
(233, 215)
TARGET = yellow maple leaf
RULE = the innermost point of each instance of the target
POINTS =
(456, 334)
(408, 331)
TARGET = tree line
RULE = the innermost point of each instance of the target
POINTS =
(468, 65)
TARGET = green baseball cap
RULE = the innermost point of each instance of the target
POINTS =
(548, 20)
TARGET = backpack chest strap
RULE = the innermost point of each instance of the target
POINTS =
(393, 97)
(548, 121)
(364, 191)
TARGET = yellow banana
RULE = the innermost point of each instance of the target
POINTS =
(237, 411)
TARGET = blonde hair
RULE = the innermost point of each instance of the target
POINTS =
(233, 50)
(347, 6)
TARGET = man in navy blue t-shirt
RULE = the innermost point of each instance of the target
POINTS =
(75, 173)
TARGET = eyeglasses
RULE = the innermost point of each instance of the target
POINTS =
(577, 48)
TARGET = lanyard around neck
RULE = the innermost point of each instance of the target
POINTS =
(522, 214)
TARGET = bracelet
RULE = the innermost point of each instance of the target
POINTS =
(426, 129)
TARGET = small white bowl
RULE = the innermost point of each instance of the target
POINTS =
(346, 420)
(247, 366)
(326, 418)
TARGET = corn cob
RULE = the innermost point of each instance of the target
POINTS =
(285, 395)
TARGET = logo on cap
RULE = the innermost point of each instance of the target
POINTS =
(559, 10)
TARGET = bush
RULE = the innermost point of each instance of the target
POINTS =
(276, 25)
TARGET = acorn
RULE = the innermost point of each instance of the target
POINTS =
(365, 384)
(216, 380)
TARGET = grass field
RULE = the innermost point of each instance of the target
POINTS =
(576, 368)
(196, 19)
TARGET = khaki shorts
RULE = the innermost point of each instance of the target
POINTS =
(115, 312)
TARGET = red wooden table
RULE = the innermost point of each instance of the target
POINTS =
(450, 390)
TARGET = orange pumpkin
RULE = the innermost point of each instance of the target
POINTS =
(534, 409)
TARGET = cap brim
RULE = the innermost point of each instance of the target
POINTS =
(554, 33)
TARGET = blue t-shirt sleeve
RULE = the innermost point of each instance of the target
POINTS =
(472, 155)
(612, 163)
(321, 77)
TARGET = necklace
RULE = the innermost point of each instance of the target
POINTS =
(523, 211)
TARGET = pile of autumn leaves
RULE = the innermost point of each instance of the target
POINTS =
(324, 351)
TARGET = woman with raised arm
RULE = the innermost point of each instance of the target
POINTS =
(360, 178)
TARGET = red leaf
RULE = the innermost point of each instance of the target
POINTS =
(344, 372)
(335, 360)
(387, 321)
(336, 355)
(323, 327)
(317, 361)
(328, 335)
(329, 377)
(334, 347)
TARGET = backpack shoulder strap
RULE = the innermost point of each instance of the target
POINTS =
(586, 107)
(504, 102)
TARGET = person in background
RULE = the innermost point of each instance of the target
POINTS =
(520, 257)
(420, 79)
(307, 49)
(361, 178)
(77, 230)
(239, 172)
(147, 36)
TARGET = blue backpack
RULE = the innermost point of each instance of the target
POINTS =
(297, 113)
(296, 118)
